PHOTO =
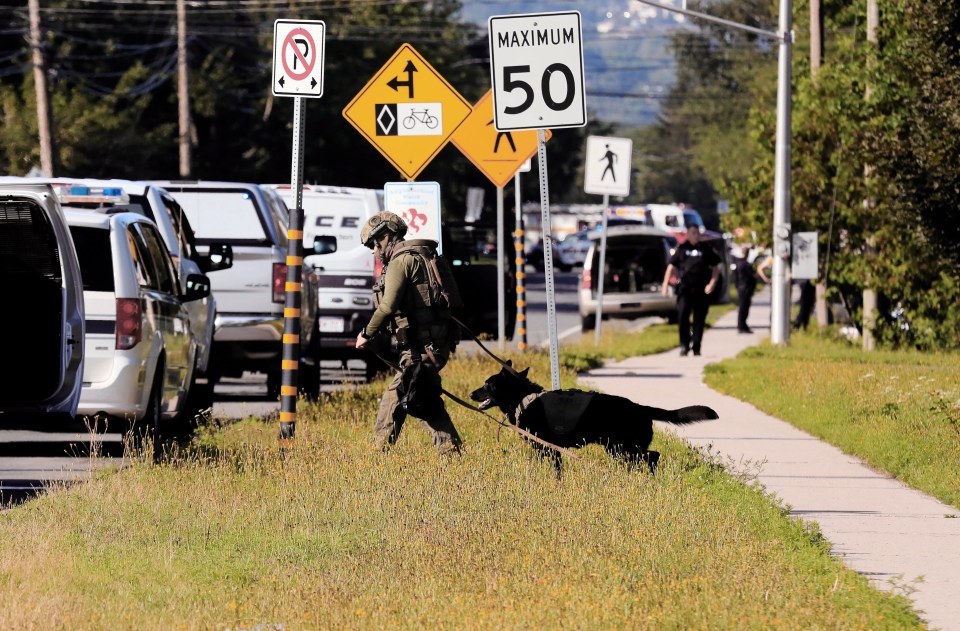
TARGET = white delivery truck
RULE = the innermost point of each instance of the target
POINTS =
(345, 293)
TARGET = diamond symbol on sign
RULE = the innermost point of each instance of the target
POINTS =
(386, 119)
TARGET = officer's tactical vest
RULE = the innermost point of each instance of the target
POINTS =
(432, 298)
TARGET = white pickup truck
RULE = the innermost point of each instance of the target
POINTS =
(345, 296)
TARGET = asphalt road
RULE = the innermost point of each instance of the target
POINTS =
(67, 453)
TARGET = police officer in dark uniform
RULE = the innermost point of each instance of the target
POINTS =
(423, 330)
(698, 267)
(746, 275)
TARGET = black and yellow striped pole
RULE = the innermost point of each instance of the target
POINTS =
(290, 361)
(521, 268)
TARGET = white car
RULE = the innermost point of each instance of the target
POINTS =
(42, 320)
(140, 349)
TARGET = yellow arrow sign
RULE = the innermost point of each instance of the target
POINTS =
(407, 111)
(498, 154)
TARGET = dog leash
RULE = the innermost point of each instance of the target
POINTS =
(510, 426)
(472, 336)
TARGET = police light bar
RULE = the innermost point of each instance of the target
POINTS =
(76, 194)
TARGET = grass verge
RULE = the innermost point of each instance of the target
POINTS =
(899, 411)
(234, 532)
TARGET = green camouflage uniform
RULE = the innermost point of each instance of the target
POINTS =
(402, 297)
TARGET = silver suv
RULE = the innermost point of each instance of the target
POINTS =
(635, 263)
(43, 334)
(250, 295)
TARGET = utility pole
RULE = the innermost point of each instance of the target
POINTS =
(870, 203)
(43, 93)
(780, 299)
(183, 89)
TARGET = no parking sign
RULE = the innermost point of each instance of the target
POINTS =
(298, 57)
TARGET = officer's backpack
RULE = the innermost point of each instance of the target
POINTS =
(443, 287)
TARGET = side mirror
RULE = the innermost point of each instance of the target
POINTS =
(198, 287)
(324, 244)
(220, 257)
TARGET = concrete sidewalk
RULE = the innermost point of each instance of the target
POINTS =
(893, 535)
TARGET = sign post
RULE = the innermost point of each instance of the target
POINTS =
(615, 155)
(298, 72)
(536, 70)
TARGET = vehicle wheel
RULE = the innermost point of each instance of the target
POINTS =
(308, 381)
(150, 424)
(588, 322)
(199, 399)
(274, 379)
(673, 318)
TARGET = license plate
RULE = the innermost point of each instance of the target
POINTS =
(331, 325)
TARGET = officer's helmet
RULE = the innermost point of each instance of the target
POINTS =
(383, 221)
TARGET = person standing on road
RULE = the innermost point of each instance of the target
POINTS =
(698, 268)
(424, 334)
(746, 276)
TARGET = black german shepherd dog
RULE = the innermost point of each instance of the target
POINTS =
(574, 418)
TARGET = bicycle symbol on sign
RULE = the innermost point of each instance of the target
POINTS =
(423, 116)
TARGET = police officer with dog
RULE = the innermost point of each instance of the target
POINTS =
(413, 299)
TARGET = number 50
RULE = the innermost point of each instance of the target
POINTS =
(510, 84)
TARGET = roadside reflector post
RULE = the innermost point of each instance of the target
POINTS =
(290, 362)
(521, 326)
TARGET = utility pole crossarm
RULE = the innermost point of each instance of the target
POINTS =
(710, 18)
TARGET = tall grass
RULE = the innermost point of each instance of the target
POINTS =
(325, 533)
(898, 410)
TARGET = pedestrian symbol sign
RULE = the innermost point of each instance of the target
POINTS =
(607, 166)
(407, 111)
(298, 57)
(498, 154)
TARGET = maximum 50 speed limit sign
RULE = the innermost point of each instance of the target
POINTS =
(536, 69)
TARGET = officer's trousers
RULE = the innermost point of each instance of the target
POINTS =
(695, 304)
(391, 416)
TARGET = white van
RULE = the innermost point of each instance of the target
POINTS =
(42, 321)
(345, 295)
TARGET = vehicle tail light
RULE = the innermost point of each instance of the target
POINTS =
(129, 323)
(587, 280)
(279, 282)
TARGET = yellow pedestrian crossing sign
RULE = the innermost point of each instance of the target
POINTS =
(407, 111)
(498, 154)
